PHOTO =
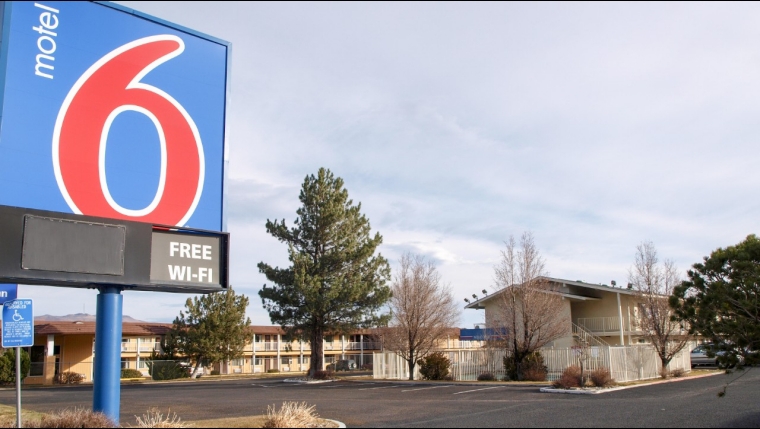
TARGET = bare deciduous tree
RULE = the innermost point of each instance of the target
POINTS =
(653, 283)
(530, 313)
(422, 310)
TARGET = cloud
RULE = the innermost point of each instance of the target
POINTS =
(457, 125)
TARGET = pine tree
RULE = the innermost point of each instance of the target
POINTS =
(721, 301)
(335, 283)
(213, 328)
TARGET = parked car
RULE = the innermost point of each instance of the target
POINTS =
(345, 365)
(699, 357)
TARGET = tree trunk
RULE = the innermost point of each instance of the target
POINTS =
(411, 363)
(317, 347)
(198, 363)
(518, 367)
(665, 362)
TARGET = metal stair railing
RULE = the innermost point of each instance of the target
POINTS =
(587, 337)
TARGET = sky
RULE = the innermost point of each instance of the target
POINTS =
(456, 125)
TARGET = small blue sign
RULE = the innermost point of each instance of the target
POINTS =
(8, 292)
(18, 323)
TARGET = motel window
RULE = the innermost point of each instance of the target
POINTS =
(258, 362)
(237, 362)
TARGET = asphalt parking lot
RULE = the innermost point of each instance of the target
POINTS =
(368, 403)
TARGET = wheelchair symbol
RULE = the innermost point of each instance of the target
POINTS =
(17, 317)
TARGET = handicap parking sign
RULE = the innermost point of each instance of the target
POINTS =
(18, 323)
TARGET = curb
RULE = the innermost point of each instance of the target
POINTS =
(340, 424)
(145, 382)
(455, 383)
(615, 389)
(298, 381)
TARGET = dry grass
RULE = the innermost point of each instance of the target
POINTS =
(154, 418)
(231, 422)
(292, 415)
(247, 422)
(692, 373)
(75, 418)
(8, 416)
(68, 418)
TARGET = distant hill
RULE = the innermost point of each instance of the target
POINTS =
(79, 317)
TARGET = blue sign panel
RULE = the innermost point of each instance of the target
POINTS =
(18, 323)
(8, 292)
(108, 112)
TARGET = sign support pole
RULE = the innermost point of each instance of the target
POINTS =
(107, 371)
(18, 387)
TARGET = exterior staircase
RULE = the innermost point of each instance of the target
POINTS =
(586, 338)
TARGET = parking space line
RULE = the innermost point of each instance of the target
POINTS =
(384, 387)
(478, 390)
(425, 388)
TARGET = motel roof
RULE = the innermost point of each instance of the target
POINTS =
(576, 290)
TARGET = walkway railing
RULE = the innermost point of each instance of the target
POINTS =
(600, 324)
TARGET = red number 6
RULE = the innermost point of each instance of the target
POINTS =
(112, 86)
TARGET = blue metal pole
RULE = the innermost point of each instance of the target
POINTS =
(107, 371)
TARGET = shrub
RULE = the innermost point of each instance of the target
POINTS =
(154, 418)
(322, 375)
(677, 373)
(8, 365)
(434, 366)
(486, 376)
(76, 418)
(535, 374)
(532, 368)
(216, 372)
(131, 373)
(269, 371)
(601, 378)
(69, 377)
(291, 415)
(367, 367)
(571, 377)
(167, 370)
